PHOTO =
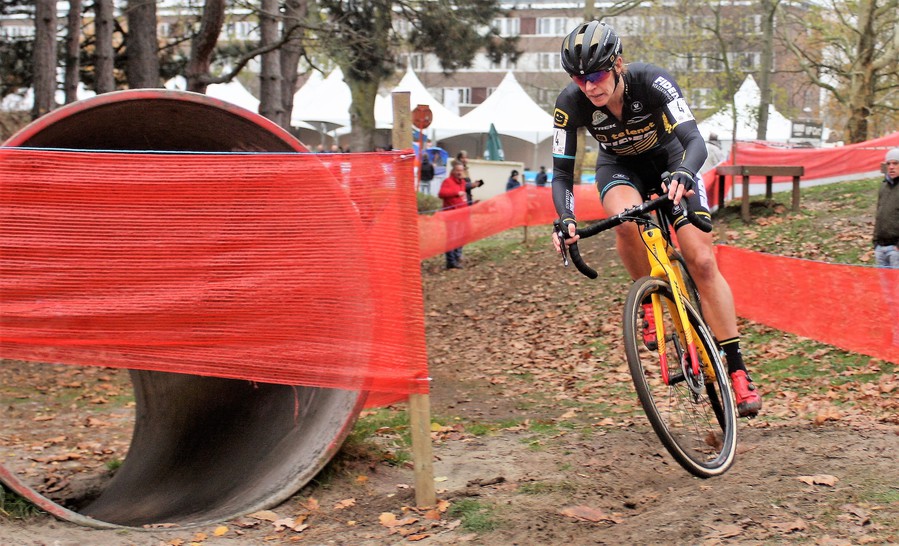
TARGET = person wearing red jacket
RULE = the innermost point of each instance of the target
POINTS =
(453, 193)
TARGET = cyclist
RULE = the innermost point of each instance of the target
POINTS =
(640, 118)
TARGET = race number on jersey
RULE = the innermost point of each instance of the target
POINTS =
(679, 110)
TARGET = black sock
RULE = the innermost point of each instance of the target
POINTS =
(733, 355)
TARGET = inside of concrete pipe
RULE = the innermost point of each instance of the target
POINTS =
(203, 449)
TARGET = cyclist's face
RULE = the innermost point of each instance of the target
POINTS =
(598, 86)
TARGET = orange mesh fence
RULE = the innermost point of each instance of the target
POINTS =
(852, 307)
(285, 268)
(523, 206)
(821, 164)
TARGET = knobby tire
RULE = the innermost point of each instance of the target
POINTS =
(697, 425)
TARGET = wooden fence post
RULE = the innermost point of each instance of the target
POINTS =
(419, 404)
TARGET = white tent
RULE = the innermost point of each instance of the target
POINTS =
(14, 102)
(747, 101)
(512, 111)
(235, 93)
(525, 128)
(443, 121)
(326, 101)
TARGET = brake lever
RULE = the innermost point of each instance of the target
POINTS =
(564, 247)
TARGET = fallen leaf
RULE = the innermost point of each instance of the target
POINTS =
(346, 503)
(264, 515)
(220, 530)
(819, 479)
(294, 524)
(199, 537)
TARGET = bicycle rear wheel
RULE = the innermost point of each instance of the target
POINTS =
(693, 415)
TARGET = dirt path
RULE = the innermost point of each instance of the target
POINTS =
(540, 441)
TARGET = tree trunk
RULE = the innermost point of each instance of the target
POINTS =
(769, 8)
(362, 114)
(73, 43)
(103, 54)
(862, 82)
(44, 57)
(142, 47)
(291, 51)
(271, 104)
(202, 45)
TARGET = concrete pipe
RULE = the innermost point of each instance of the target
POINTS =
(203, 449)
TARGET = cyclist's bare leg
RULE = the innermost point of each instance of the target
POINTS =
(627, 236)
(717, 298)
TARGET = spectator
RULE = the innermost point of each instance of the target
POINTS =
(462, 159)
(886, 219)
(513, 182)
(540, 179)
(715, 154)
(454, 192)
(427, 173)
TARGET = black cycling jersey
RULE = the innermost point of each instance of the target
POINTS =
(657, 132)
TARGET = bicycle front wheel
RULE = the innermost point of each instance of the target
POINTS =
(694, 415)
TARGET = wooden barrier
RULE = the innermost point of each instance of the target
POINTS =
(768, 171)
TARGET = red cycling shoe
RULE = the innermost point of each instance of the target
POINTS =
(749, 402)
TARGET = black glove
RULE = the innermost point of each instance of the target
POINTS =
(683, 178)
(562, 225)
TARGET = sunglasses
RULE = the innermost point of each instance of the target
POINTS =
(593, 77)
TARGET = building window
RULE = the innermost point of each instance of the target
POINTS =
(242, 30)
(18, 31)
(745, 60)
(701, 98)
(507, 26)
(554, 26)
(417, 61)
(504, 64)
(459, 95)
(547, 61)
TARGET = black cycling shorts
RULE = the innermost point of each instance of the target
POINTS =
(645, 176)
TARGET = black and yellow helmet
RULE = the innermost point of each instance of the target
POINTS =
(591, 47)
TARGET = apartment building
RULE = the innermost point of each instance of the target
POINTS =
(650, 33)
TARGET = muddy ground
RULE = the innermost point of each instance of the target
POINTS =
(538, 438)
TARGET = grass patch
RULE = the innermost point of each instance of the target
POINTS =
(382, 434)
(13, 506)
(475, 515)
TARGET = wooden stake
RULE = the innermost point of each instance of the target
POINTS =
(422, 452)
(419, 404)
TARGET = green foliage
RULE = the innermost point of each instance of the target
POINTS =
(13, 506)
(475, 515)
(428, 203)
(15, 65)
(383, 435)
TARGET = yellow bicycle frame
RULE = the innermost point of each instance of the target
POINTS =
(657, 251)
